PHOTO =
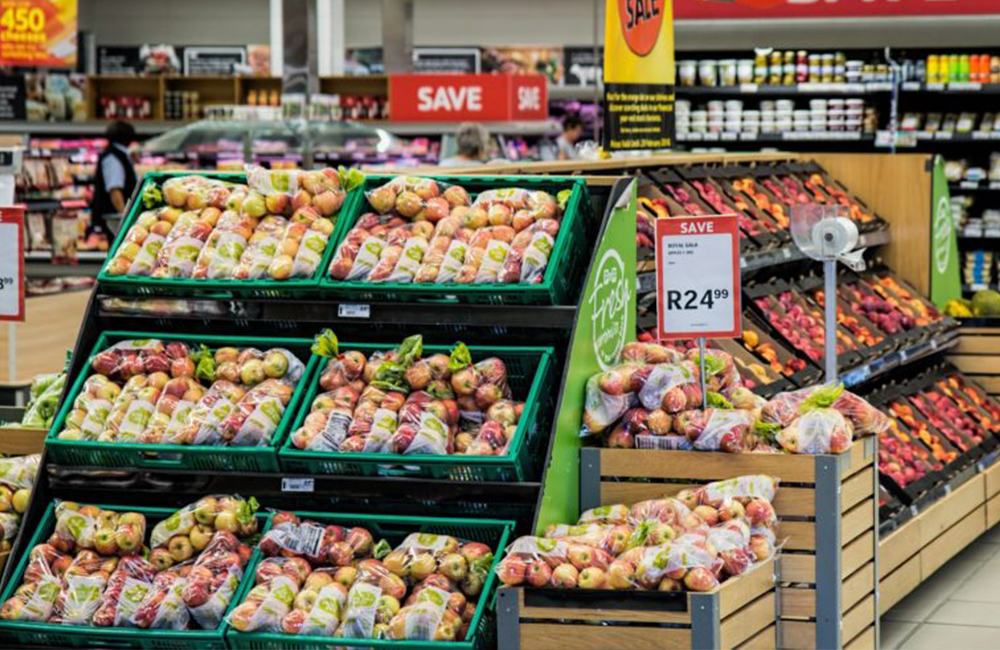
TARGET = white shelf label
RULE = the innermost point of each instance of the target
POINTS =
(965, 85)
(298, 484)
(354, 311)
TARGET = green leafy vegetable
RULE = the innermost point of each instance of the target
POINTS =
(350, 178)
(390, 376)
(381, 549)
(151, 196)
(713, 364)
(822, 398)
(204, 362)
(460, 358)
(410, 350)
(717, 401)
(767, 431)
(325, 344)
(563, 198)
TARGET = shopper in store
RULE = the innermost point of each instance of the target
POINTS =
(115, 179)
(473, 142)
(572, 132)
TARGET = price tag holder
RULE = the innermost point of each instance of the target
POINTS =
(346, 310)
(698, 277)
(289, 484)
(11, 264)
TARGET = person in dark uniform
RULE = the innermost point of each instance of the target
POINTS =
(115, 179)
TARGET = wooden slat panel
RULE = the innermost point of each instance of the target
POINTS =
(976, 331)
(977, 345)
(766, 639)
(854, 490)
(788, 502)
(857, 586)
(551, 636)
(992, 475)
(858, 618)
(986, 365)
(596, 614)
(954, 540)
(899, 547)
(992, 512)
(990, 384)
(860, 519)
(708, 466)
(797, 635)
(801, 603)
(747, 622)
(798, 535)
(894, 587)
(863, 641)
(798, 568)
(858, 457)
(857, 553)
(734, 594)
(943, 514)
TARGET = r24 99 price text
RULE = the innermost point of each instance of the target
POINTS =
(690, 299)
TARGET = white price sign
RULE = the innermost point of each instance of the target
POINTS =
(698, 277)
(11, 264)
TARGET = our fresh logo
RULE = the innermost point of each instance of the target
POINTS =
(609, 302)
(943, 231)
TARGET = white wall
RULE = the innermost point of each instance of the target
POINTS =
(177, 22)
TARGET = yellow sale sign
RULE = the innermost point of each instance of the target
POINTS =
(38, 33)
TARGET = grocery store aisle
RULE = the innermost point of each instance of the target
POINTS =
(958, 607)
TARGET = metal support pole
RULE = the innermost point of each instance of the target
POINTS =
(701, 363)
(828, 553)
(276, 31)
(397, 36)
(830, 297)
(298, 18)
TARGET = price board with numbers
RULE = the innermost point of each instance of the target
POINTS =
(11, 264)
(698, 277)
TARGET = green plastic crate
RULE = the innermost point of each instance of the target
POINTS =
(194, 457)
(565, 265)
(261, 288)
(530, 373)
(482, 629)
(28, 634)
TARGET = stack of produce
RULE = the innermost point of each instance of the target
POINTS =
(95, 569)
(425, 231)
(17, 479)
(43, 401)
(155, 392)
(325, 580)
(692, 542)
(400, 402)
(275, 226)
(653, 400)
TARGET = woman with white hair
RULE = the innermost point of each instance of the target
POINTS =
(473, 144)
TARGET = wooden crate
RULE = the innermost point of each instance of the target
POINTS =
(913, 552)
(740, 613)
(978, 356)
(827, 510)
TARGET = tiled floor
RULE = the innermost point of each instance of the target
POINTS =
(957, 607)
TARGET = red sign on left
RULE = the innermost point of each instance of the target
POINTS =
(11, 264)
(479, 97)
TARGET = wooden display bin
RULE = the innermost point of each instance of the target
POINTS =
(914, 551)
(740, 613)
(978, 356)
(827, 511)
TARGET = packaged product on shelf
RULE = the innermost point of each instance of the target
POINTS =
(224, 513)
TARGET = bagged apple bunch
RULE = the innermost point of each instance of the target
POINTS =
(17, 479)
(190, 530)
(423, 231)
(692, 542)
(400, 402)
(276, 227)
(322, 580)
(232, 396)
(819, 420)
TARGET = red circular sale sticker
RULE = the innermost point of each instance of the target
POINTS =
(641, 21)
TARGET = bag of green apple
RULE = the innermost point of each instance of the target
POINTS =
(611, 514)
(419, 621)
(431, 438)
(384, 425)
(326, 613)
(202, 425)
(20, 472)
(755, 486)
(409, 260)
(137, 417)
(536, 258)
(653, 563)
(145, 259)
(38, 607)
(230, 513)
(359, 617)
(10, 524)
(75, 527)
(310, 253)
(80, 597)
(275, 606)
(219, 257)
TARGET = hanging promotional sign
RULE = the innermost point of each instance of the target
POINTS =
(11, 264)
(38, 33)
(456, 98)
(946, 281)
(722, 9)
(638, 75)
(698, 277)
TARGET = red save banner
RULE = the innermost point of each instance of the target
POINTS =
(707, 9)
(478, 97)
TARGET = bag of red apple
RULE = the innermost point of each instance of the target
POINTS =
(300, 539)
(493, 259)
(420, 621)
(130, 357)
(281, 592)
(609, 538)
(145, 259)
(653, 563)
(408, 195)
(431, 438)
(865, 418)
(261, 249)
(220, 255)
(384, 426)
(409, 261)
(723, 430)
(163, 607)
(137, 417)
(671, 387)
(168, 421)
(310, 253)
(668, 510)
(818, 431)
(754, 486)
(612, 514)
(131, 581)
(600, 409)
(359, 615)
(668, 442)
(326, 612)
(258, 414)
(75, 527)
(202, 426)
(551, 551)
(208, 596)
(272, 181)
(36, 605)
(79, 599)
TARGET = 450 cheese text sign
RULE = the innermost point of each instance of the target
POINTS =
(698, 277)
(480, 97)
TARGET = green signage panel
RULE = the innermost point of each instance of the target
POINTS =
(946, 283)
